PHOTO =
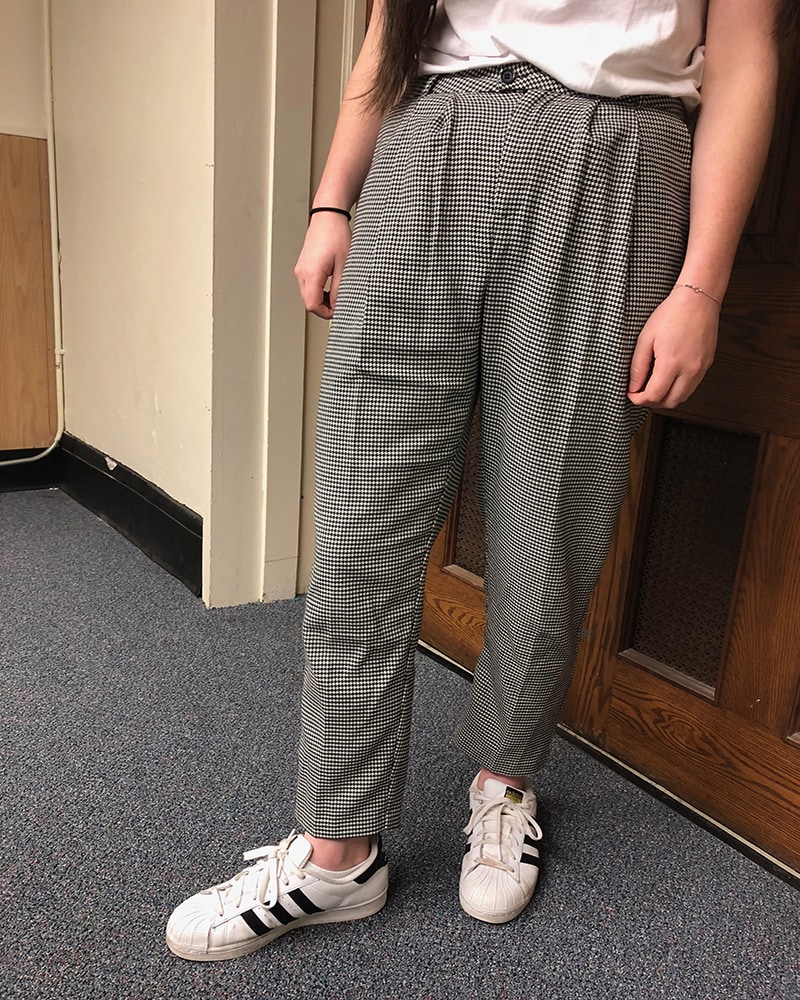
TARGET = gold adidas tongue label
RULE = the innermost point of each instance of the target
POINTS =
(513, 794)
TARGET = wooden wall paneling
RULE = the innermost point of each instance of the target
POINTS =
(47, 288)
(27, 375)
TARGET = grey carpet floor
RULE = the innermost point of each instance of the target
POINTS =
(147, 741)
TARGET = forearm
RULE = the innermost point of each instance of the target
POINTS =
(321, 262)
(357, 128)
(676, 346)
(732, 136)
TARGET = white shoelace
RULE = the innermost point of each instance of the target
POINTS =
(502, 825)
(262, 879)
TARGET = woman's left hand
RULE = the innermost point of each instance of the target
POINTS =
(678, 344)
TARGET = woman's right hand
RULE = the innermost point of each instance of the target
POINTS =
(322, 260)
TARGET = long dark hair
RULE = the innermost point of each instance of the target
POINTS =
(405, 23)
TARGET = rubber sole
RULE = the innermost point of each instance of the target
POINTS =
(489, 917)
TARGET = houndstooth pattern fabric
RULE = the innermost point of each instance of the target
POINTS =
(512, 238)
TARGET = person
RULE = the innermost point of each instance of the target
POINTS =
(541, 234)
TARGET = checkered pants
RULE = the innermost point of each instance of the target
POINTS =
(512, 238)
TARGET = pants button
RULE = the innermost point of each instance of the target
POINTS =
(508, 75)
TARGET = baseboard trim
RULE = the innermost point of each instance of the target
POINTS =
(41, 474)
(166, 531)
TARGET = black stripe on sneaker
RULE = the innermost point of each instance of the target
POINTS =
(529, 859)
(530, 842)
(377, 864)
(299, 897)
(281, 914)
(256, 924)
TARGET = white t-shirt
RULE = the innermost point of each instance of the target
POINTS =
(607, 47)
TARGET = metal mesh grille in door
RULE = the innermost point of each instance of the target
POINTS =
(691, 556)
(470, 547)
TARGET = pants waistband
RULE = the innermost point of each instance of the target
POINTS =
(522, 76)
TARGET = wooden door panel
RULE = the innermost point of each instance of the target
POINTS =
(704, 755)
(733, 751)
(753, 382)
(762, 667)
(772, 234)
(454, 619)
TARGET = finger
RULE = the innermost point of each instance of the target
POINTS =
(323, 309)
(334, 289)
(658, 387)
(311, 281)
(682, 389)
(315, 298)
(641, 363)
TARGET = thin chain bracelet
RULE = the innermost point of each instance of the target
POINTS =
(698, 291)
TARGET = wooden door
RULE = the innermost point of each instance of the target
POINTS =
(689, 669)
(28, 416)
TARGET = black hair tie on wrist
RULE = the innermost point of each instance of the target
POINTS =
(338, 211)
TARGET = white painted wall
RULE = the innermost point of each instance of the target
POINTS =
(134, 130)
(264, 80)
(22, 68)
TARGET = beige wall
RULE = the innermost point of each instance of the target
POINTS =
(22, 68)
(134, 130)
(183, 135)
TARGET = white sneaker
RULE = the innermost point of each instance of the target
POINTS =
(279, 892)
(501, 866)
